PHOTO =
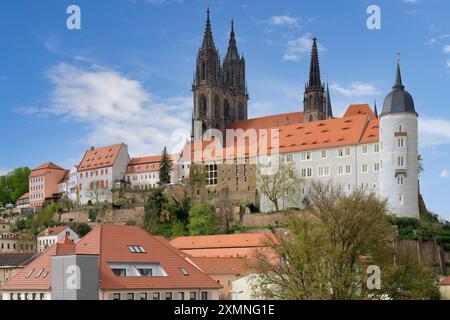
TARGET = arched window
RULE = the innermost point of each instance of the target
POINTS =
(203, 106)
(226, 109)
(217, 107)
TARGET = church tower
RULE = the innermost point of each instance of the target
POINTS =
(207, 86)
(220, 91)
(236, 96)
(315, 103)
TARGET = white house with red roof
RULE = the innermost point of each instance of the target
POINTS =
(48, 237)
(100, 170)
(115, 263)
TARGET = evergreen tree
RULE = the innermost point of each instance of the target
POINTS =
(165, 168)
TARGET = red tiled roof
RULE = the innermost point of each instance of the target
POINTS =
(359, 109)
(99, 158)
(25, 196)
(277, 120)
(241, 240)
(52, 231)
(445, 282)
(43, 169)
(111, 243)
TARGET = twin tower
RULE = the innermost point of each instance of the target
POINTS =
(220, 89)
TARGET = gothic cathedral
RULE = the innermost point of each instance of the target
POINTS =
(220, 91)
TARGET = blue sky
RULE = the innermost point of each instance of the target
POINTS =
(126, 75)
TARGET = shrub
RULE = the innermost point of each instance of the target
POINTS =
(201, 220)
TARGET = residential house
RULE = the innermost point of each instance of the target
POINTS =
(12, 263)
(43, 182)
(50, 236)
(23, 203)
(444, 288)
(117, 263)
(100, 170)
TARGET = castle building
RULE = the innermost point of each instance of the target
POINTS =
(359, 150)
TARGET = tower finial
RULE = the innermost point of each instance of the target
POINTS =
(398, 78)
(208, 41)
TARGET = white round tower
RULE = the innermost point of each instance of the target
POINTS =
(399, 151)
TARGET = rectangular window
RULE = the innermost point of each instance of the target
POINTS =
(289, 157)
(120, 272)
(204, 295)
(130, 296)
(340, 170)
(145, 272)
(307, 172)
(376, 167)
(211, 174)
(156, 295)
(306, 156)
(400, 142)
(168, 295)
(365, 149)
(324, 154)
(365, 168)
(348, 169)
(116, 296)
(193, 295)
(143, 296)
(400, 161)
(180, 296)
(340, 153)
(400, 180)
(347, 152)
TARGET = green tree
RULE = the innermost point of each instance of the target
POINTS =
(153, 208)
(201, 220)
(81, 229)
(165, 167)
(14, 185)
(326, 254)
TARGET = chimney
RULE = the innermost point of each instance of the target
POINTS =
(91, 149)
(65, 246)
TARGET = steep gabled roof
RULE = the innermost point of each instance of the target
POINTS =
(16, 259)
(111, 243)
(44, 169)
(223, 265)
(52, 231)
(99, 158)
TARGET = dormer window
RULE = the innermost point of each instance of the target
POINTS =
(184, 272)
(136, 249)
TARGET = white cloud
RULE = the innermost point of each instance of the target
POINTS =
(446, 49)
(115, 108)
(356, 89)
(291, 22)
(434, 132)
(298, 48)
(431, 41)
(4, 171)
(444, 173)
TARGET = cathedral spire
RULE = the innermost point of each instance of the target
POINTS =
(375, 109)
(329, 113)
(232, 52)
(208, 41)
(314, 71)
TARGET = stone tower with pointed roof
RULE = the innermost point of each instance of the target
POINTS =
(399, 151)
(220, 93)
(315, 103)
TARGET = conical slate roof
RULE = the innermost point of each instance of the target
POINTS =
(399, 100)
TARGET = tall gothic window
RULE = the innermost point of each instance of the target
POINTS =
(203, 106)
(226, 109)
(203, 73)
(217, 107)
